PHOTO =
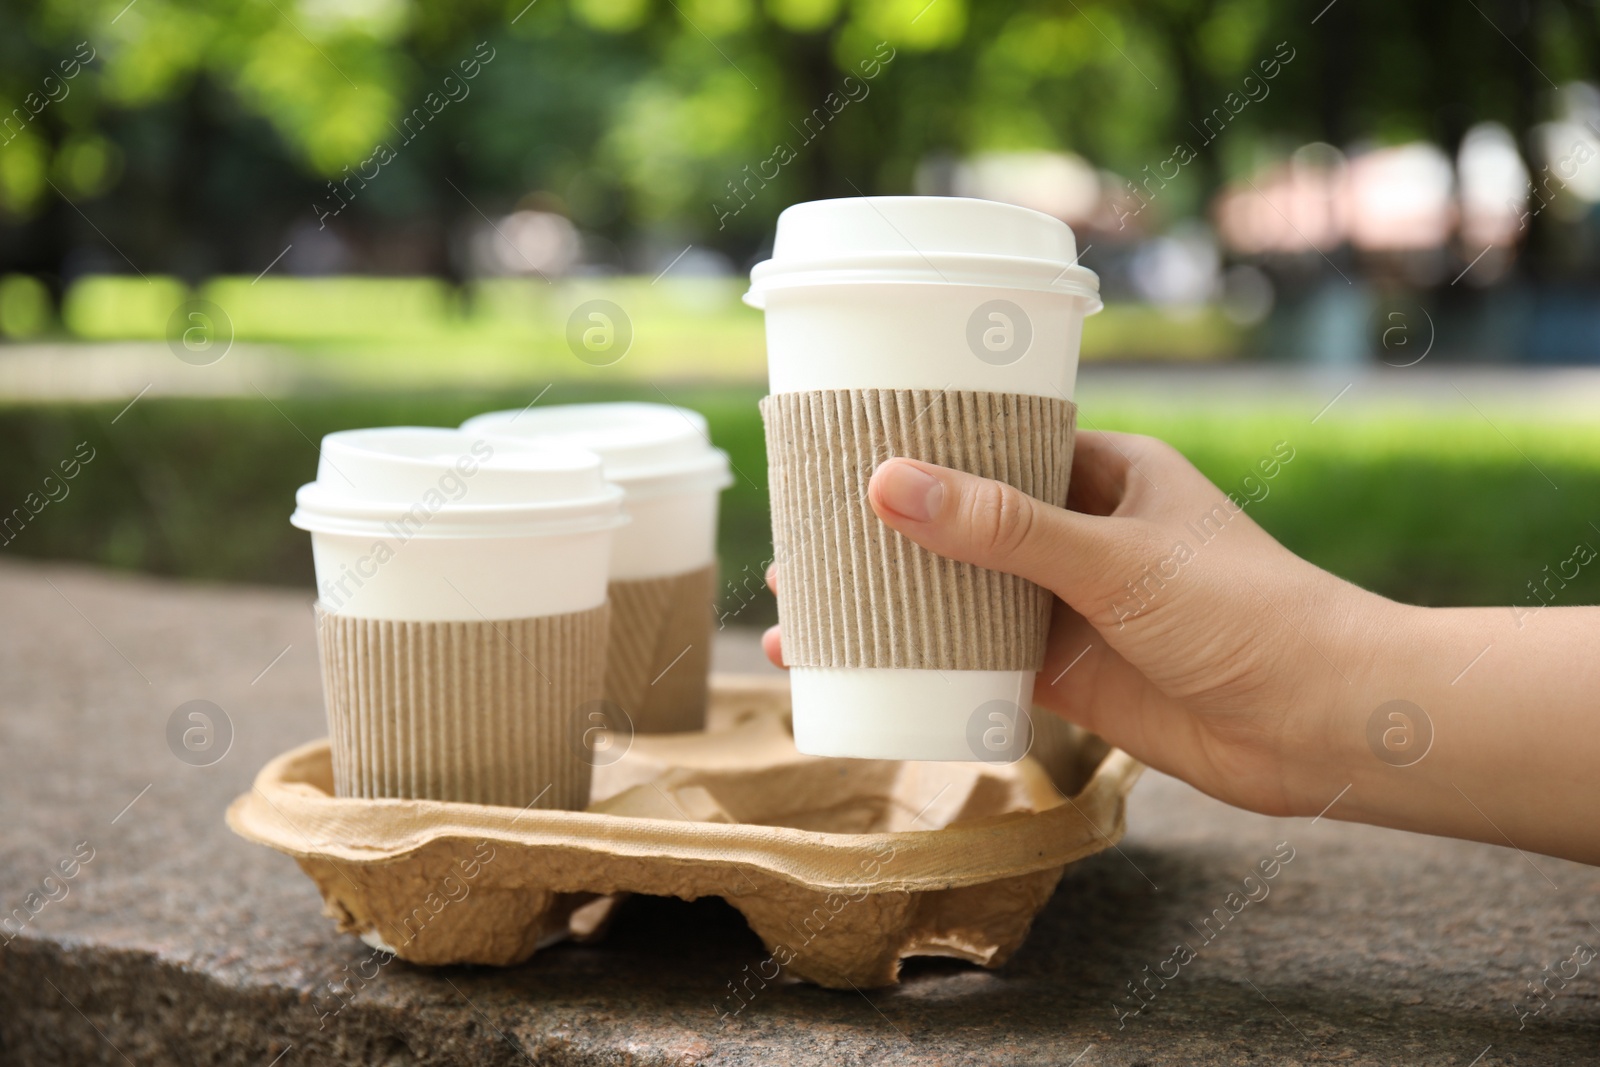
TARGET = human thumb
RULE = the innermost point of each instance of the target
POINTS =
(1082, 558)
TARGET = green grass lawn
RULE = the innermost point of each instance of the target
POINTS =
(1423, 506)
(399, 333)
(1426, 507)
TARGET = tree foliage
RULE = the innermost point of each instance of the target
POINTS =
(194, 137)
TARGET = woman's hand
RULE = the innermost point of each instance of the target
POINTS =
(1185, 635)
(1182, 633)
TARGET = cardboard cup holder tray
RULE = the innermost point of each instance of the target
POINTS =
(842, 867)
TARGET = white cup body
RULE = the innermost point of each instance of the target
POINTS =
(433, 525)
(920, 293)
(883, 335)
(667, 534)
(660, 456)
(912, 714)
(469, 579)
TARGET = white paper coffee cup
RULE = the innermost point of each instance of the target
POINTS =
(927, 293)
(663, 563)
(462, 623)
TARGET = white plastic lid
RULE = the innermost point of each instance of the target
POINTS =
(648, 449)
(426, 481)
(930, 239)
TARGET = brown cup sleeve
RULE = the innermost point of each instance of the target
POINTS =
(659, 659)
(486, 712)
(854, 593)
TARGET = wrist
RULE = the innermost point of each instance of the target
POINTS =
(1385, 762)
(1359, 719)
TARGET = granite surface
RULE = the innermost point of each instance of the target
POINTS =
(172, 941)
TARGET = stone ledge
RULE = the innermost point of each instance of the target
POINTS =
(182, 943)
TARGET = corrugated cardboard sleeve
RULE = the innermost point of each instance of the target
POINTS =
(854, 593)
(660, 651)
(483, 712)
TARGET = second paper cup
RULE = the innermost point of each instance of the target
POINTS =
(664, 562)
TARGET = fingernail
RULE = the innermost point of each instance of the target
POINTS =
(910, 491)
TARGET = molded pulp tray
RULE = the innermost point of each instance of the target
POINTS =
(842, 867)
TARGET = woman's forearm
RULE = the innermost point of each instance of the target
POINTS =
(1481, 723)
